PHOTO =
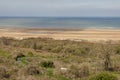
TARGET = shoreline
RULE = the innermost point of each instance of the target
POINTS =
(92, 35)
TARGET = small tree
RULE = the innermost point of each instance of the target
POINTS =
(107, 50)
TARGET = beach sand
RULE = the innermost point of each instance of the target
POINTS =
(93, 35)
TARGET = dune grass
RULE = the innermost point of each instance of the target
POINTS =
(48, 59)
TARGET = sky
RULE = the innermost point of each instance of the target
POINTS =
(60, 8)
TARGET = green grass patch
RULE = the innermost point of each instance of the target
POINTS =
(4, 53)
(104, 76)
(60, 77)
(50, 72)
(51, 75)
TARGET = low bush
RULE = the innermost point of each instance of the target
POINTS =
(76, 72)
(47, 64)
(104, 76)
(4, 53)
(18, 55)
(30, 54)
(32, 70)
(118, 51)
(4, 73)
(1, 59)
(57, 49)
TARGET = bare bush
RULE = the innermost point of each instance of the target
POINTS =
(107, 52)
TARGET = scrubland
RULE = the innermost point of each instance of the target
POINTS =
(49, 59)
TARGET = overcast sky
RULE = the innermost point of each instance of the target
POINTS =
(68, 8)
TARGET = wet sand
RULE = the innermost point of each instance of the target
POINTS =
(63, 34)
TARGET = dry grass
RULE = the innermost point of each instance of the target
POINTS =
(61, 60)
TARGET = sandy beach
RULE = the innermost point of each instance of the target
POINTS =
(63, 34)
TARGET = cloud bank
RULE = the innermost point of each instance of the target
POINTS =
(68, 8)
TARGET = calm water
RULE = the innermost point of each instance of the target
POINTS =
(60, 22)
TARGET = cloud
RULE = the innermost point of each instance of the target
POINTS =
(59, 7)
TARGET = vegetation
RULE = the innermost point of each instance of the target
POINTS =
(104, 76)
(4, 73)
(48, 59)
(47, 64)
(118, 50)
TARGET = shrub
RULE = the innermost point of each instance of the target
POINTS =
(1, 60)
(34, 46)
(47, 64)
(30, 54)
(4, 53)
(4, 73)
(5, 40)
(18, 56)
(104, 76)
(118, 51)
(81, 52)
(78, 71)
(107, 50)
(32, 70)
(107, 63)
(57, 49)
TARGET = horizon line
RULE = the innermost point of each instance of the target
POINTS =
(60, 16)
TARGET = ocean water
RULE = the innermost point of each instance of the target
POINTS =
(60, 22)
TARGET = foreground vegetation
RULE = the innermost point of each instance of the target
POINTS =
(48, 59)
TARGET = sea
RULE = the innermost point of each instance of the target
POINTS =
(61, 22)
